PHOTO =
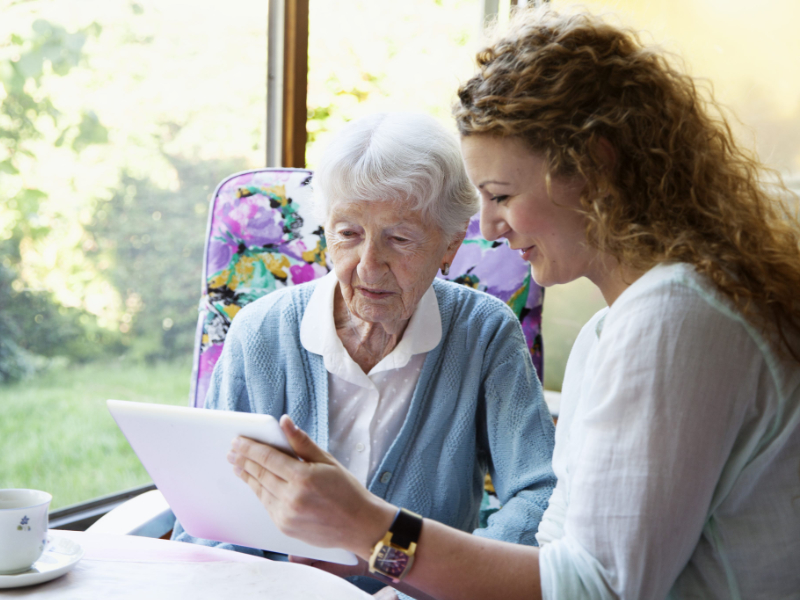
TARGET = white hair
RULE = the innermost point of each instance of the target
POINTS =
(398, 156)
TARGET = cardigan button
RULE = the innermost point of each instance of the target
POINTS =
(386, 476)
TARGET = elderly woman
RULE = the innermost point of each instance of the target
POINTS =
(678, 444)
(415, 385)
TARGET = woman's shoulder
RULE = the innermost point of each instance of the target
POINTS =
(677, 285)
(675, 301)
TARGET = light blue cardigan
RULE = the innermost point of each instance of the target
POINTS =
(478, 405)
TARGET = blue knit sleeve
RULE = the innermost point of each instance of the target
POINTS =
(519, 435)
(227, 389)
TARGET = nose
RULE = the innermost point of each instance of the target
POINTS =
(493, 226)
(372, 264)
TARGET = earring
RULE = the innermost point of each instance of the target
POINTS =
(446, 269)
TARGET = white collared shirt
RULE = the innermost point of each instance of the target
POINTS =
(367, 410)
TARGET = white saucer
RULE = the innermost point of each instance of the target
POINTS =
(59, 557)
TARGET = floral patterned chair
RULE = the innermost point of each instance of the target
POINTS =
(260, 238)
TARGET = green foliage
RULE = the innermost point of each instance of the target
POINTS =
(34, 326)
(23, 210)
(50, 50)
(90, 131)
(152, 240)
(56, 433)
(14, 361)
(32, 323)
(49, 330)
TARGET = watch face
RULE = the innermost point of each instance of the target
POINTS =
(391, 561)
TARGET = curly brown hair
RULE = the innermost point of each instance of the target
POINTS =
(681, 189)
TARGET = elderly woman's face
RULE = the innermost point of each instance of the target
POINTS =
(385, 258)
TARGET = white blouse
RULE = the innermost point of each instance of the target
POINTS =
(367, 410)
(677, 453)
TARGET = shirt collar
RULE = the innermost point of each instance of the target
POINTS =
(318, 333)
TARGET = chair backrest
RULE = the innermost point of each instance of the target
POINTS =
(496, 269)
(262, 236)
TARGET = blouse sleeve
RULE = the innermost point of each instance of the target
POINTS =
(552, 524)
(672, 378)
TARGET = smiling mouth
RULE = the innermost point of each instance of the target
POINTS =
(525, 253)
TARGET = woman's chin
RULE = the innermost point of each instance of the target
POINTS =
(539, 276)
(543, 277)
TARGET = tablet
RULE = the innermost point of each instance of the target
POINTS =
(185, 452)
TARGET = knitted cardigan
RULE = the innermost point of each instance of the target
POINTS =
(478, 406)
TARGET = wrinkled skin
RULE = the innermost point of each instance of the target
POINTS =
(385, 257)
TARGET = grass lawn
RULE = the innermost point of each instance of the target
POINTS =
(56, 433)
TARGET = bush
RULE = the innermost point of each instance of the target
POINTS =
(14, 361)
(152, 241)
(34, 326)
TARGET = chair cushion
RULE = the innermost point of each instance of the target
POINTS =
(261, 237)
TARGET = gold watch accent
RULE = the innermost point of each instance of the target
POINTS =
(393, 556)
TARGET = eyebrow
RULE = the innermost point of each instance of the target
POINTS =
(493, 181)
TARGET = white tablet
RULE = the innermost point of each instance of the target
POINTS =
(185, 452)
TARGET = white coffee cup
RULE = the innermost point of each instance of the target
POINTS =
(23, 528)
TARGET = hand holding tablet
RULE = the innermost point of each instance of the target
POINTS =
(315, 499)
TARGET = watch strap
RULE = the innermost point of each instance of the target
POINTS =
(406, 528)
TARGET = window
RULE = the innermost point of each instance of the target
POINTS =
(103, 233)
(117, 122)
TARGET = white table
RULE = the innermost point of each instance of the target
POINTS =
(117, 566)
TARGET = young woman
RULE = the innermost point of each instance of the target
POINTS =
(678, 445)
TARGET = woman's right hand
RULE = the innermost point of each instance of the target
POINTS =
(315, 500)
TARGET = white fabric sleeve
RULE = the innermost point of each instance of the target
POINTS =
(673, 376)
(552, 524)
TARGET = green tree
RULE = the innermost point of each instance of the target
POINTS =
(14, 362)
(150, 241)
(49, 51)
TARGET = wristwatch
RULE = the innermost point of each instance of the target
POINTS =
(393, 556)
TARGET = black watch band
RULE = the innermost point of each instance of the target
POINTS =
(406, 528)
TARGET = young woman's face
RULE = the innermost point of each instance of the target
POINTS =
(547, 229)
